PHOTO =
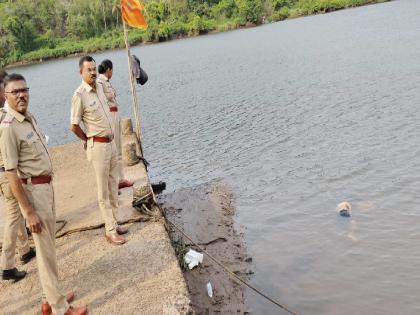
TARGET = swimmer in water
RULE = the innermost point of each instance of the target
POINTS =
(344, 209)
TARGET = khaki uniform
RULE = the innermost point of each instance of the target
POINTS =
(112, 102)
(14, 228)
(91, 108)
(24, 149)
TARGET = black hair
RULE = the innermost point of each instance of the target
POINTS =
(85, 58)
(3, 74)
(104, 66)
(13, 78)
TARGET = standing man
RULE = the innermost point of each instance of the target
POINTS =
(105, 70)
(29, 171)
(14, 227)
(90, 106)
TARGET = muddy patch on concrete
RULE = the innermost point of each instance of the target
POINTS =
(205, 213)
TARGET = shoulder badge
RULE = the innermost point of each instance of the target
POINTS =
(79, 91)
(7, 121)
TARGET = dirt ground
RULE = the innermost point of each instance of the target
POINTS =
(139, 277)
(205, 213)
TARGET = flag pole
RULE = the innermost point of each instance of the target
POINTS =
(134, 103)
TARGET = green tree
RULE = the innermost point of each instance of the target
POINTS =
(225, 9)
(38, 29)
(22, 31)
(278, 4)
(250, 10)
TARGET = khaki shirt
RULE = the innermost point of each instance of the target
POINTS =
(3, 113)
(92, 108)
(23, 146)
(109, 91)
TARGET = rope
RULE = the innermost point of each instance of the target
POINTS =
(63, 224)
(100, 225)
(232, 274)
(90, 227)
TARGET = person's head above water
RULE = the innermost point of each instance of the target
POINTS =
(344, 209)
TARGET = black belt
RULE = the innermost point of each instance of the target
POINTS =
(2, 169)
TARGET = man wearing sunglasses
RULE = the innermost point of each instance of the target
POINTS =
(29, 171)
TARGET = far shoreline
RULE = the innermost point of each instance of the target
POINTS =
(24, 63)
(180, 37)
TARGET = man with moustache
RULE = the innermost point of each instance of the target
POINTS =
(14, 227)
(90, 106)
(29, 171)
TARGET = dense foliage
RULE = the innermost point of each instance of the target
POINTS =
(42, 29)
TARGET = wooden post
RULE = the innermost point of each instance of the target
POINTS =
(134, 103)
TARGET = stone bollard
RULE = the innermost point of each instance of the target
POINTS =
(130, 154)
(126, 126)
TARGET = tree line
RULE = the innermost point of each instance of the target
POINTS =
(42, 29)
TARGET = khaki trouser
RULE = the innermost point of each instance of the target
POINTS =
(116, 119)
(41, 197)
(103, 157)
(14, 227)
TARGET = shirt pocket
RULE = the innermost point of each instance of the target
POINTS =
(92, 110)
(35, 146)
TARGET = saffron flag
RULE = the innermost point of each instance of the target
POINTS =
(132, 13)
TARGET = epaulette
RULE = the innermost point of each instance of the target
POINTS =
(78, 92)
(81, 88)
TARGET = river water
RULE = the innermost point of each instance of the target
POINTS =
(296, 117)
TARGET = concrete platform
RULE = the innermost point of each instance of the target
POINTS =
(139, 277)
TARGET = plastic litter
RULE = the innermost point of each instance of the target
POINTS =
(193, 258)
(209, 289)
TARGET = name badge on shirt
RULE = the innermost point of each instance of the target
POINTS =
(30, 135)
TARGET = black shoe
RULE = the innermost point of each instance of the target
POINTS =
(13, 274)
(25, 258)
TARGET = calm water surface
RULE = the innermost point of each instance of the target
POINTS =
(295, 116)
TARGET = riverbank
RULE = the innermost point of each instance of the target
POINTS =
(206, 213)
(164, 31)
(140, 277)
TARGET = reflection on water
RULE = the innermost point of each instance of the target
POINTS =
(296, 116)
